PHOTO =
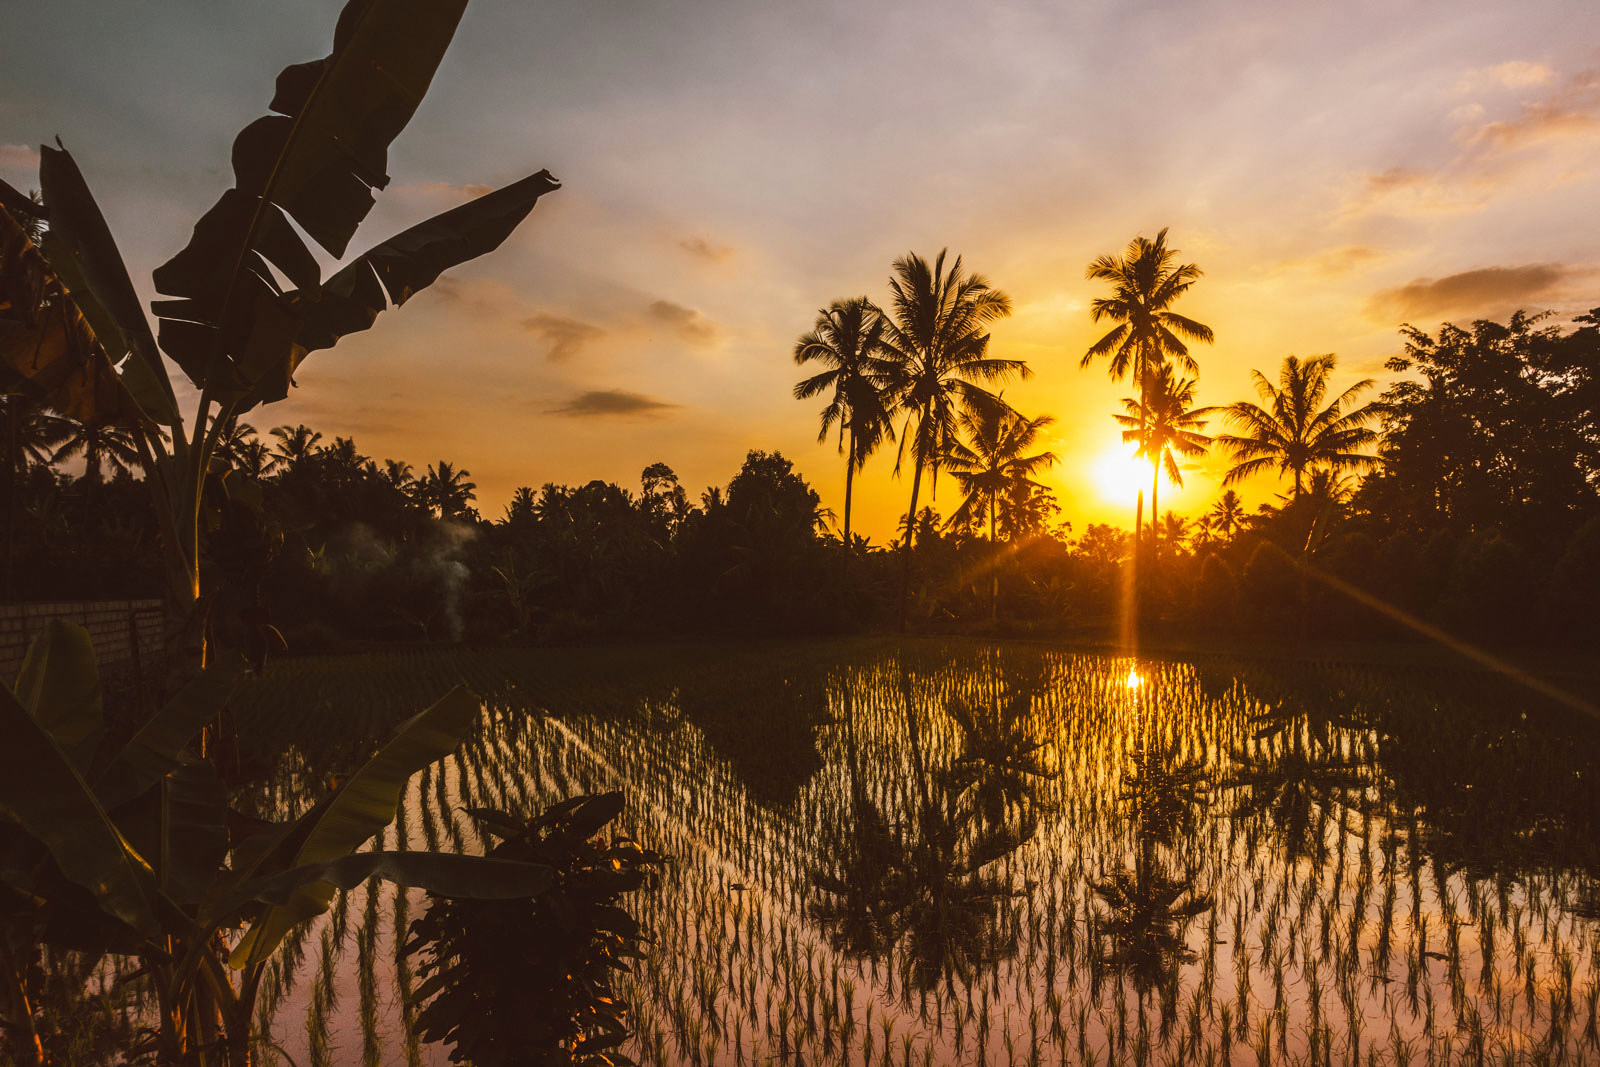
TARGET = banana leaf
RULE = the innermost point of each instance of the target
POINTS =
(463, 877)
(181, 827)
(48, 348)
(59, 685)
(361, 807)
(80, 247)
(157, 747)
(316, 160)
(44, 793)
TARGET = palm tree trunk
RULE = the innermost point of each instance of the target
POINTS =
(911, 531)
(1155, 512)
(849, 480)
(994, 571)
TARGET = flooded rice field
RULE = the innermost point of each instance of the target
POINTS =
(958, 852)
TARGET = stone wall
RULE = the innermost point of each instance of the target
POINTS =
(126, 633)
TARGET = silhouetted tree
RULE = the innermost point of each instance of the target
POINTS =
(1296, 432)
(1166, 427)
(847, 339)
(1144, 285)
(936, 348)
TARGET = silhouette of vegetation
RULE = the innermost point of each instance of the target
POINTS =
(534, 981)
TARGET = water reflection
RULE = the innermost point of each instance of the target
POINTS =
(948, 853)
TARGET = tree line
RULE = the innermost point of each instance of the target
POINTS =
(1464, 493)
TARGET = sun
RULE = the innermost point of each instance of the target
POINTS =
(1120, 475)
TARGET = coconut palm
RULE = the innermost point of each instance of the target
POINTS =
(231, 438)
(100, 445)
(1166, 427)
(990, 467)
(296, 444)
(1145, 283)
(1227, 514)
(445, 489)
(398, 474)
(1295, 432)
(936, 354)
(846, 340)
(253, 458)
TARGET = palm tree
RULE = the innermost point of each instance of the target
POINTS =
(936, 352)
(1144, 285)
(30, 436)
(231, 437)
(398, 474)
(101, 445)
(296, 444)
(1295, 432)
(990, 467)
(846, 340)
(445, 489)
(253, 458)
(1227, 514)
(1166, 427)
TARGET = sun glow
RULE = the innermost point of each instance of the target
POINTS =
(1120, 475)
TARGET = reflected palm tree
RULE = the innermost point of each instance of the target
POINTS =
(1001, 763)
(1164, 790)
(1295, 774)
(1147, 909)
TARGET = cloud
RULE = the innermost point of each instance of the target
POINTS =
(1476, 292)
(566, 337)
(1334, 261)
(1571, 110)
(19, 156)
(1516, 74)
(701, 248)
(1490, 154)
(688, 323)
(450, 189)
(612, 402)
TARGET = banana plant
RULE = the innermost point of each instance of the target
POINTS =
(74, 336)
(131, 849)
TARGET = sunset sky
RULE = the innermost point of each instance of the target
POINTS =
(730, 167)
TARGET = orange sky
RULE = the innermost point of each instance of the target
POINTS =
(729, 169)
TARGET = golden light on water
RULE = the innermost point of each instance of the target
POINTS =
(1134, 678)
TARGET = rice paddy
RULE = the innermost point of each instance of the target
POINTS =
(938, 853)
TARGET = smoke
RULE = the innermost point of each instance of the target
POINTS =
(452, 573)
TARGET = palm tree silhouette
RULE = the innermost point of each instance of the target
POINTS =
(1227, 514)
(445, 490)
(398, 474)
(253, 458)
(30, 436)
(846, 340)
(101, 445)
(1144, 285)
(990, 467)
(1166, 427)
(1293, 433)
(296, 444)
(936, 350)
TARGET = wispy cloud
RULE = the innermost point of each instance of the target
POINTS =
(701, 248)
(19, 157)
(447, 189)
(1490, 153)
(1515, 74)
(688, 323)
(566, 337)
(612, 402)
(1484, 291)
